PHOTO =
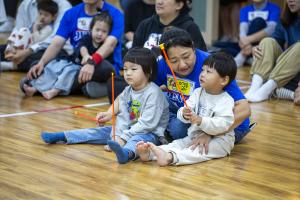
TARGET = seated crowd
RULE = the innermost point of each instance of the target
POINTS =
(67, 50)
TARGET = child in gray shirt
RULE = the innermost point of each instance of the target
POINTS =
(142, 111)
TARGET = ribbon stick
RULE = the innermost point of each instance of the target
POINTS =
(113, 119)
(162, 47)
(85, 116)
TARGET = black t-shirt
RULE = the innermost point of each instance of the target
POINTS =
(150, 30)
(136, 12)
(86, 41)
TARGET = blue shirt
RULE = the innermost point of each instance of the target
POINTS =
(76, 23)
(270, 12)
(191, 82)
(289, 35)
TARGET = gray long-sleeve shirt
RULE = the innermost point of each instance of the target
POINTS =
(142, 112)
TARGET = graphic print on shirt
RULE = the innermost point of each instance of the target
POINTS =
(83, 27)
(258, 14)
(134, 108)
(186, 86)
(152, 41)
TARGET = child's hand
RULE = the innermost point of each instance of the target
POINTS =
(195, 119)
(85, 59)
(187, 113)
(103, 117)
(201, 140)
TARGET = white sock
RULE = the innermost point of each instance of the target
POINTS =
(239, 60)
(283, 93)
(264, 92)
(256, 83)
(6, 66)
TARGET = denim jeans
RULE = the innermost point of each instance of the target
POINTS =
(58, 74)
(101, 135)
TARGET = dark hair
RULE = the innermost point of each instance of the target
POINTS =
(186, 5)
(104, 16)
(48, 6)
(174, 36)
(287, 17)
(223, 63)
(144, 57)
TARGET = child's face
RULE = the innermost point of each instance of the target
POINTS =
(46, 18)
(211, 81)
(100, 32)
(135, 76)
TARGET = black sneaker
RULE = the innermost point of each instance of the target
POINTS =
(94, 89)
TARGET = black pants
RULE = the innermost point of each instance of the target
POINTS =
(102, 74)
(293, 84)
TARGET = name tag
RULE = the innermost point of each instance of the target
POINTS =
(254, 14)
(83, 23)
(186, 86)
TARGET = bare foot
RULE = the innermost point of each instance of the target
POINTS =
(29, 91)
(163, 158)
(107, 148)
(50, 93)
(143, 151)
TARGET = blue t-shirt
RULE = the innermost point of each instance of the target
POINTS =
(289, 35)
(191, 82)
(76, 23)
(270, 12)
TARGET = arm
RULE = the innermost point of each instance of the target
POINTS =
(241, 112)
(50, 53)
(84, 54)
(104, 117)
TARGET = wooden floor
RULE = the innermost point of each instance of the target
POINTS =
(266, 165)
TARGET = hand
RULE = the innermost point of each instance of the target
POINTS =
(187, 113)
(86, 73)
(35, 71)
(103, 117)
(247, 50)
(201, 140)
(257, 53)
(163, 88)
(18, 57)
(297, 95)
(195, 119)
(244, 41)
(85, 59)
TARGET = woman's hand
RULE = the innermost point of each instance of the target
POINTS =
(257, 52)
(35, 71)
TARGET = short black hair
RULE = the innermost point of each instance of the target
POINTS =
(48, 6)
(174, 36)
(103, 16)
(187, 5)
(223, 63)
(144, 57)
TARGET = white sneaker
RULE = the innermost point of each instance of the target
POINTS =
(7, 26)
